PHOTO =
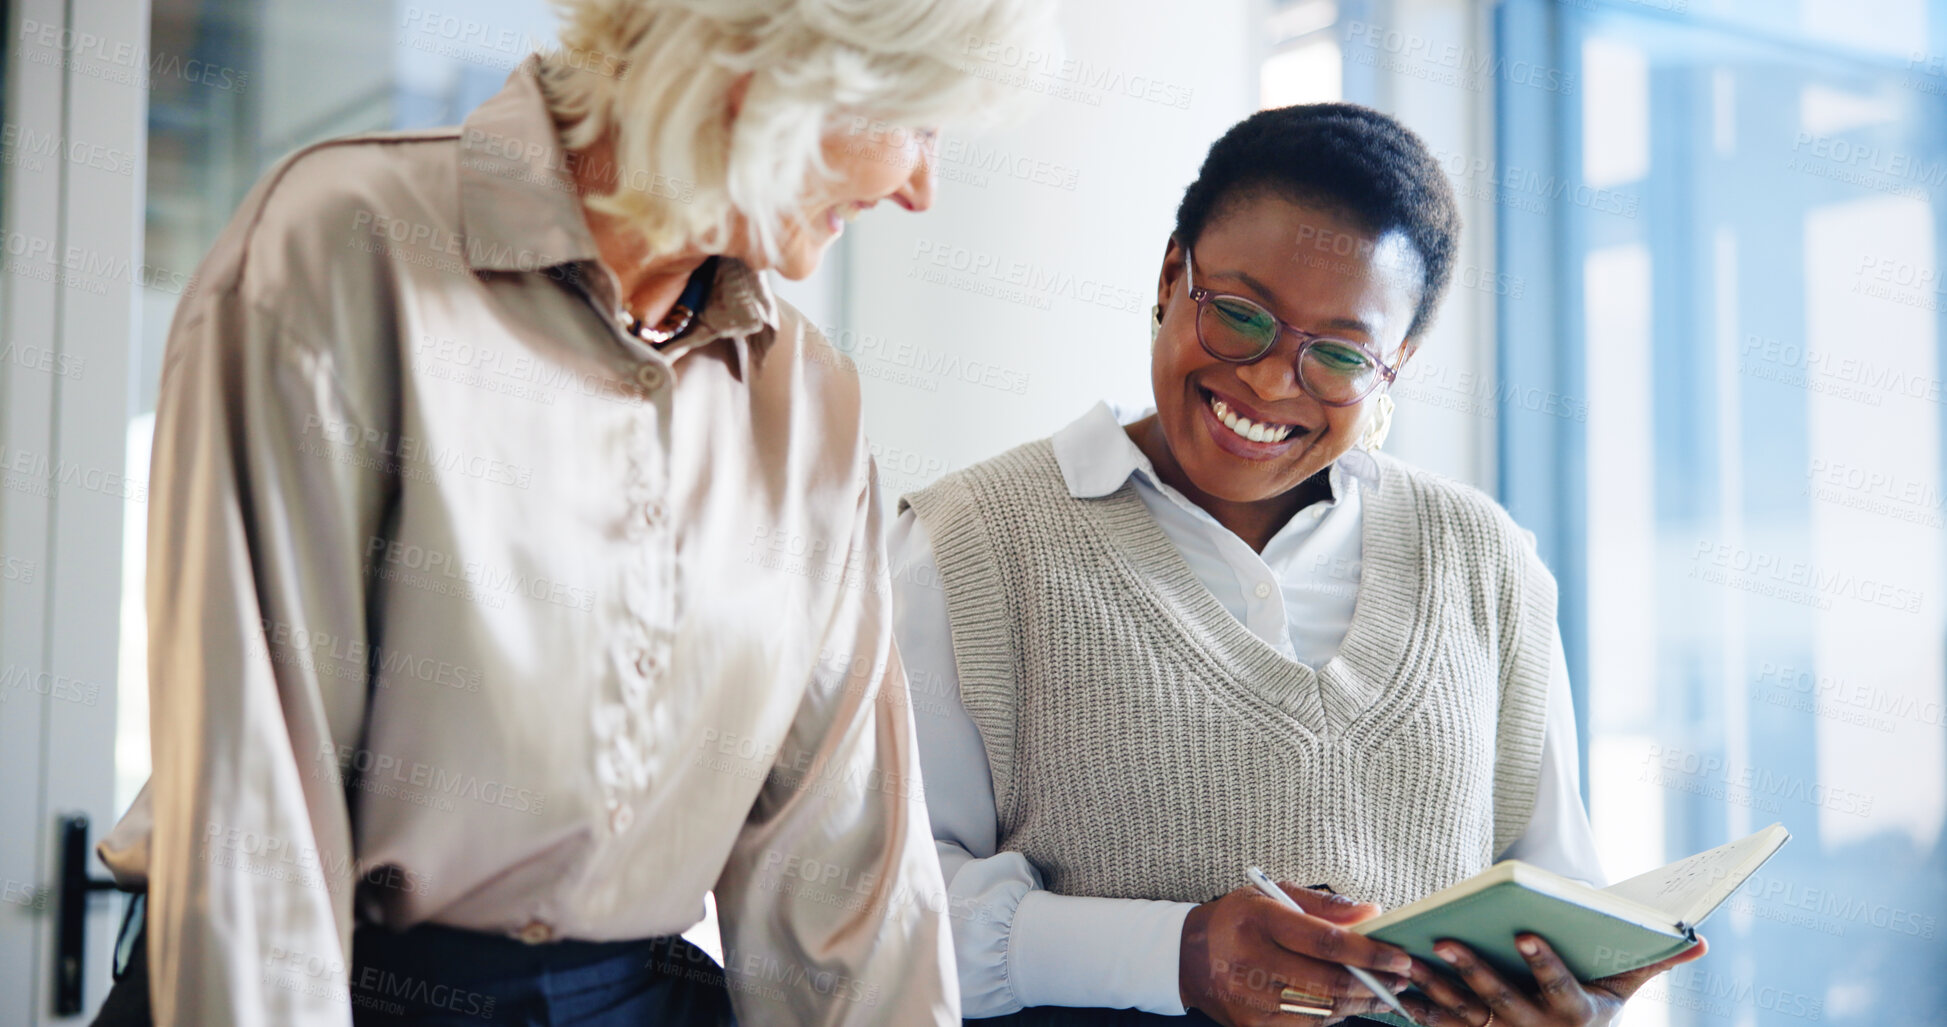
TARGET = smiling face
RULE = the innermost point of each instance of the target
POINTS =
(872, 162)
(1312, 268)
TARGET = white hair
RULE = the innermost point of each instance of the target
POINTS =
(654, 77)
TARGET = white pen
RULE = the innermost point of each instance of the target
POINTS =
(1264, 884)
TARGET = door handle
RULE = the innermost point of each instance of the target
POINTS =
(71, 929)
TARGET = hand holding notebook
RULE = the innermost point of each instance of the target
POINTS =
(1597, 933)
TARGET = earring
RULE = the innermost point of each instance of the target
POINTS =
(1155, 321)
(1378, 423)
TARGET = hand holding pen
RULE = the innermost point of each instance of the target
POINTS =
(1246, 962)
(1270, 888)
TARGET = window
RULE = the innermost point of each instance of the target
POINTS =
(1734, 210)
(1305, 65)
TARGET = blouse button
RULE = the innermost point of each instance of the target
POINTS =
(651, 376)
(646, 663)
(652, 513)
(536, 933)
(1263, 590)
(620, 818)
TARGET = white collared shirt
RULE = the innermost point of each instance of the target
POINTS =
(1019, 945)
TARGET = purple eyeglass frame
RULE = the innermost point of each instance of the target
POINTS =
(1203, 298)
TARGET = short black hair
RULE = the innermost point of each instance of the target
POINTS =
(1342, 157)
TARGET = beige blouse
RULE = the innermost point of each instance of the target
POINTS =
(468, 607)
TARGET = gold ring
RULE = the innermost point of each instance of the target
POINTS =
(1294, 1002)
(1489, 1022)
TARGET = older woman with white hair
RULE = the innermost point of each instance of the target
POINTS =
(516, 566)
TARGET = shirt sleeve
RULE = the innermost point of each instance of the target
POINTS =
(1018, 944)
(832, 905)
(258, 529)
(1559, 837)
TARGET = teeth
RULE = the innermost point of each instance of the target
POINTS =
(1243, 426)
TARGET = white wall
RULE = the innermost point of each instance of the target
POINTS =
(963, 355)
(1448, 414)
(953, 375)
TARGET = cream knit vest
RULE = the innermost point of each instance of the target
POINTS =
(1144, 744)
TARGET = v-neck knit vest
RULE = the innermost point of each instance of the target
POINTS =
(1144, 744)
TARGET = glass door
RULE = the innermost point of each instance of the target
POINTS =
(1740, 214)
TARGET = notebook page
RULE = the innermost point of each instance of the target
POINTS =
(1690, 888)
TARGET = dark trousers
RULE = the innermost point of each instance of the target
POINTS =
(431, 976)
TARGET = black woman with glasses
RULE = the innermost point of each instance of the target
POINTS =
(1233, 633)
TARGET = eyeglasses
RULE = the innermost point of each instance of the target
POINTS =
(1335, 372)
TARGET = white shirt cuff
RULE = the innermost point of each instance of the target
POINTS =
(1070, 950)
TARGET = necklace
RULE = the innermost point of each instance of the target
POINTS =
(674, 323)
(678, 320)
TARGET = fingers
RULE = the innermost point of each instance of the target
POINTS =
(1693, 952)
(1445, 1000)
(1311, 936)
(1327, 906)
(1624, 984)
(1560, 992)
(1509, 1005)
(1430, 1014)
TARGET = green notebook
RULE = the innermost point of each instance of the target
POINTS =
(1597, 932)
